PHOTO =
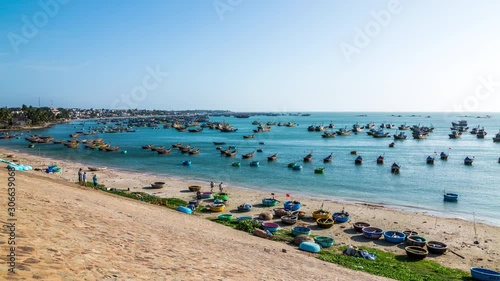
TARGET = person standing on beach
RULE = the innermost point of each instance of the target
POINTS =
(94, 180)
(220, 187)
(80, 176)
(212, 184)
(84, 179)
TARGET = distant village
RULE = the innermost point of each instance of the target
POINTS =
(26, 117)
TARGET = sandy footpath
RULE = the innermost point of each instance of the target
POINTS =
(69, 232)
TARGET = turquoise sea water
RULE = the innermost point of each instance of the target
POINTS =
(419, 185)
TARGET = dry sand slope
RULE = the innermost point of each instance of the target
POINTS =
(65, 232)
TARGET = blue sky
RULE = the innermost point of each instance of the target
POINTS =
(254, 55)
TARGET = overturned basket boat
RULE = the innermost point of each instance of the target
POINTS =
(158, 184)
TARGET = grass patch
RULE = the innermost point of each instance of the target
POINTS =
(394, 266)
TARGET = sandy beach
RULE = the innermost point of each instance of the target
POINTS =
(69, 232)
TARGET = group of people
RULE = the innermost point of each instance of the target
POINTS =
(212, 185)
(82, 178)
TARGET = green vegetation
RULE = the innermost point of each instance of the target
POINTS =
(390, 265)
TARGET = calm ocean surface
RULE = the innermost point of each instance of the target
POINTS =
(419, 185)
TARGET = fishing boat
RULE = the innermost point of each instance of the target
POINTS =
(95, 169)
(420, 135)
(328, 135)
(272, 157)
(185, 149)
(380, 134)
(380, 159)
(74, 135)
(186, 163)
(400, 136)
(395, 168)
(403, 127)
(254, 163)
(484, 274)
(175, 145)
(158, 184)
(358, 226)
(343, 132)
(450, 197)
(156, 148)
(301, 230)
(231, 153)
(356, 128)
(481, 133)
(195, 130)
(329, 158)
(114, 148)
(429, 160)
(249, 136)
(443, 156)
(297, 167)
(496, 138)
(455, 135)
(217, 143)
(468, 161)
(308, 157)
(194, 152)
(462, 123)
(391, 144)
(164, 151)
(358, 160)
(248, 155)
(149, 146)
(236, 164)
(319, 170)
(291, 165)
(260, 150)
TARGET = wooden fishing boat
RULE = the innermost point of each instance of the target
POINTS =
(496, 138)
(391, 144)
(217, 143)
(319, 170)
(328, 135)
(175, 145)
(343, 132)
(194, 152)
(308, 157)
(416, 252)
(358, 160)
(95, 169)
(450, 197)
(181, 129)
(484, 274)
(195, 130)
(443, 156)
(260, 150)
(430, 160)
(455, 135)
(437, 247)
(74, 135)
(380, 159)
(395, 168)
(57, 141)
(329, 158)
(400, 136)
(156, 148)
(164, 151)
(149, 146)
(248, 155)
(380, 134)
(185, 149)
(272, 157)
(354, 152)
(72, 145)
(481, 134)
(419, 135)
(468, 161)
(325, 222)
(231, 153)
(114, 148)
(249, 136)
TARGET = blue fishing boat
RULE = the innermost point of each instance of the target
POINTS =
(358, 160)
(297, 167)
(254, 163)
(430, 160)
(187, 163)
(292, 205)
(468, 161)
(484, 274)
(450, 197)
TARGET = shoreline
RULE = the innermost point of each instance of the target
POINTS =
(458, 233)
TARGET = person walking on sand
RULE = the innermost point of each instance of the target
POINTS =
(220, 187)
(84, 179)
(80, 176)
(94, 180)
(212, 184)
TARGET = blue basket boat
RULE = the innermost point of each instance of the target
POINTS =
(484, 274)
(271, 226)
(340, 217)
(371, 232)
(292, 205)
(298, 230)
(392, 236)
(297, 167)
(324, 241)
(310, 247)
(187, 163)
(450, 197)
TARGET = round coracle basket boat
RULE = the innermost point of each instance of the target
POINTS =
(340, 217)
(358, 226)
(415, 240)
(371, 232)
(206, 195)
(310, 247)
(292, 205)
(225, 217)
(271, 226)
(393, 236)
(301, 230)
(217, 207)
(269, 202)
(245, 207)
(321, 214)
(436, 247)
(324, 241)
(222, 196)
(289, 219)
(158, 184)
(409, 233)
(416, 252)
(194, 188)
(325, 222)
